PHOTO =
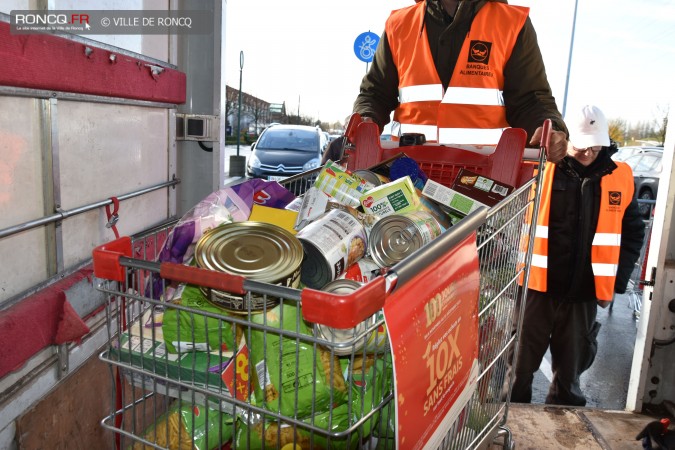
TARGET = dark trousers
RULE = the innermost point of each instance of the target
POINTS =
(571, 332)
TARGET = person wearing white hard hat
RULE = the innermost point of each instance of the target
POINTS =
(588, 236)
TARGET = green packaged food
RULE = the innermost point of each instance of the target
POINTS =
(277, 437)
(190, 331)
(187, 426)
(289, 365)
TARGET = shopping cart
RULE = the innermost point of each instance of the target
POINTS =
(264, 380)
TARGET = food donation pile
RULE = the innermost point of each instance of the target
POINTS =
(345, 229)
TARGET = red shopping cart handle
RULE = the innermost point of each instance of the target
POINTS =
(203, 277)
(347, 310)
(110, 261)
(106, 259)
(545, 135)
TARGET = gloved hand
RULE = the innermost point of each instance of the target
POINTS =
(557, 144)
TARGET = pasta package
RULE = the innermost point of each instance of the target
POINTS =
(286, 366)
(277, 435)
(184, 427)
(189, 331)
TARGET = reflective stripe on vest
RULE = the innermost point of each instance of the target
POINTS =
(616, 193)
(471, 111)
(424, 93)
(456, 95)
(474, 96)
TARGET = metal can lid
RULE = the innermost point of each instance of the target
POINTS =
(260, 251)
(342, 286)
(337, 335)
(392, 239)
(369, 176)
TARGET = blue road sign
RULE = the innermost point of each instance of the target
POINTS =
(365, 45)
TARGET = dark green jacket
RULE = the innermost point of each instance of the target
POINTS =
(527, 94)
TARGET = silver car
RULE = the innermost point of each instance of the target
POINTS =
(285, 150)
(624, 153)
(647, 167)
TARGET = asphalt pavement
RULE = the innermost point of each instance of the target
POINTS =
(605, 384)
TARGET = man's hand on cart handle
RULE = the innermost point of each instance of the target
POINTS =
(557, 144)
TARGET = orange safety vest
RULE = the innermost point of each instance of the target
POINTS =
(471, 110)
(617, 191)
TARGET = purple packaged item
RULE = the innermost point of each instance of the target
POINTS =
(230, 204)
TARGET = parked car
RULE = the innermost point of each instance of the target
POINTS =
(647, 168)
(285, 150)
(325, 140)
(624, 153)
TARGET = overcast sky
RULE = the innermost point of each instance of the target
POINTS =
(302, 52)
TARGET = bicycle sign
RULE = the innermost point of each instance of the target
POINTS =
(365, 45)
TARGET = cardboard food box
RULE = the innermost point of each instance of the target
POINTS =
(486, 190)
(285, 218)
(142, 347)
(451, 199)
(396, 197)
(341, 184)
(469, 192)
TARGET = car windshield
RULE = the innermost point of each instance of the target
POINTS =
(303, 140)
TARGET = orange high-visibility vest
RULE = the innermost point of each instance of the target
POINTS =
(471, 110)
(617, 191)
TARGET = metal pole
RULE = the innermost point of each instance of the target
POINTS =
(569, 61)
(64, 214)
(241, 69)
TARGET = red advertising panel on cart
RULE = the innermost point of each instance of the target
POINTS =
(433, 328)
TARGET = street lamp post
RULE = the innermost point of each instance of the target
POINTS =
(241, 72)
(569, 60)
(237, 162)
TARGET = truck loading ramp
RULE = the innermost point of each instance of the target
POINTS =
(538, 426)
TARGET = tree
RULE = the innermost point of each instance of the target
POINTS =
(617, 130)
(231, 102)
(260, 111)
(662, 124)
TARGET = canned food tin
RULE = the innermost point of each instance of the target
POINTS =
(256, 250)
(370, 342)
(372, 177)
(331, 243)
(395, 237)
(341, 184)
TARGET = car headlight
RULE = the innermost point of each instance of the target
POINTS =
(311, 164)
(253, 162)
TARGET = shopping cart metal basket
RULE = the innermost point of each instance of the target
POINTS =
(189, 376)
